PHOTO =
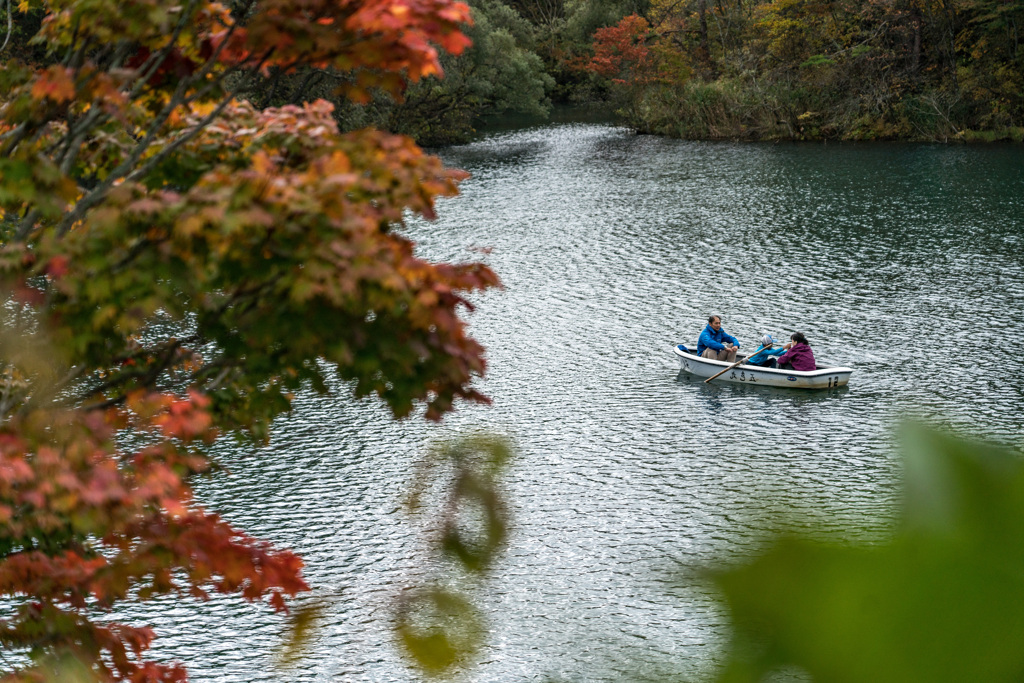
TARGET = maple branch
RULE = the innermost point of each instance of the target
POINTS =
(226, 39)
(136, 250)
(149, 374)
(8, 397)
(145, 72)
(74, 57)
(221, 376)
(124, 169)
(94, 107)
(14, 137)
(26, 226)
(74, 143)
(93, 363)
(210, 63)
(74, 373)
(157, 58)
(97, 194)
(157, 158)
(46, 392)
(147, 377)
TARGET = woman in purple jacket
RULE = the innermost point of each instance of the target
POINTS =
(799, 355)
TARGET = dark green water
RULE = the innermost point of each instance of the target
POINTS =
(905, 262)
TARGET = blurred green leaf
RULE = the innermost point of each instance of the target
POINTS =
(438, 628)
(940, 602)
(467, 521)
(474, 545)
(303, 626)
(473, 521)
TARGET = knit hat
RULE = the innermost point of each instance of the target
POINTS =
(767, 340)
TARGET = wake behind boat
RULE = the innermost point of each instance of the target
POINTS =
(825, 377)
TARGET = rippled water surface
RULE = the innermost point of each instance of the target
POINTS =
(905, 262)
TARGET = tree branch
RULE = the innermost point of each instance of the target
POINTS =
(157, 58)
(147, 377)
(124, 169)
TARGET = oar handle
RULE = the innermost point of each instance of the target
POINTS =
(734, 365)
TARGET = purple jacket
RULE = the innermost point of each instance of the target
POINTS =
(800, 356)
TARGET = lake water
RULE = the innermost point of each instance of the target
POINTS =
(905, 262)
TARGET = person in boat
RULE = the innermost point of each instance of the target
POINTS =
(798, 355)
(766, 356)
(715, 343)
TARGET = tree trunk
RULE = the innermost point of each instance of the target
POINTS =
(705, 52)
(915, 50)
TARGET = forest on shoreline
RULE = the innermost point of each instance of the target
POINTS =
(819, 69)
(937, 70)
(945, 70)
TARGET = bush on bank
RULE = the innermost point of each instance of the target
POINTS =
(793, 69)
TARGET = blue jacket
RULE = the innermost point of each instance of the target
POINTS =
(709, 339)
(762, 357)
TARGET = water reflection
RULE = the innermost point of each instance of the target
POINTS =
(715, 396)
(896, 260)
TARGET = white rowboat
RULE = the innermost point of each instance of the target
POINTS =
(825, 377)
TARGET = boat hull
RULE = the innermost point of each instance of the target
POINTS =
(825, 377)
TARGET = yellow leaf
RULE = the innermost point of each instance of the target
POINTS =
(190, 226)
(262, 163)
(338, 162)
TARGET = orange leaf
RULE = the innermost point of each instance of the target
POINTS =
(55, 83)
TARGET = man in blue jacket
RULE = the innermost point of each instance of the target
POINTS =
(715, 343)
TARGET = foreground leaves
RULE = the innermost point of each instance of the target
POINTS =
(83, 524)
(939, 602)
(439, 628)
(174, 265)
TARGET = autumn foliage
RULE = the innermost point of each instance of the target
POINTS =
(621, 54)
(813, 69)
(177, 264)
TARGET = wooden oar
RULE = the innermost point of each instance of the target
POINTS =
(741, 360)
